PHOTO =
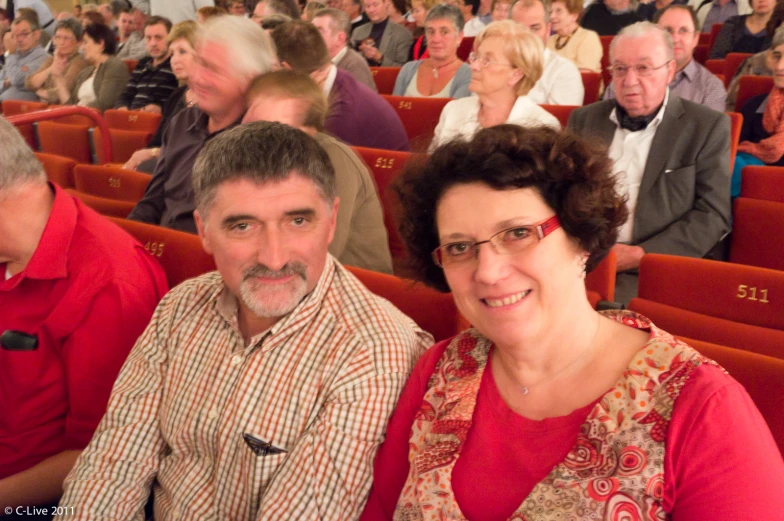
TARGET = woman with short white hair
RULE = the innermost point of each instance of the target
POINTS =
(505, 66)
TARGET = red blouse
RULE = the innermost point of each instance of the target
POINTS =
(721, 462)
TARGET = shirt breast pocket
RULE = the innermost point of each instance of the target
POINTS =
(264, 468)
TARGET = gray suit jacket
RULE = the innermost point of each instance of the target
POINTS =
(684, 203)
(395, 42)
(356, 65)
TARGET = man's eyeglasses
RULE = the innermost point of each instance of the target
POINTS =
(23, 34)
(642, 69)
(682, 32)
(506, 242)
(484, 61)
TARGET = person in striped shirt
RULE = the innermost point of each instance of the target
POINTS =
(260, 391)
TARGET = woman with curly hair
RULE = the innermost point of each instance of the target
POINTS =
(546, 409)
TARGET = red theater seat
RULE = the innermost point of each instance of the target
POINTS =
(758, 233)
(111, 182)
(419, 116)
(765, 183)
(59, 169)
(385, 78)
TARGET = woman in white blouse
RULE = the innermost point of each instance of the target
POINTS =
(505, 66)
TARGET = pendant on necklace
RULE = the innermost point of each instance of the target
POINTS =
(525, 390)
(435, 73)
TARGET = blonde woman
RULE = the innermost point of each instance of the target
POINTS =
(505, 66)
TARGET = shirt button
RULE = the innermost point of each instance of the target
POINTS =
(236, 360)
(213, 414)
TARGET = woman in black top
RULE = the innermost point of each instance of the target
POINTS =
(745, 33)
(608, 17)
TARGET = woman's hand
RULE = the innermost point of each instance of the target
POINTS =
(152, 108)
(139, 157)
(59, 66)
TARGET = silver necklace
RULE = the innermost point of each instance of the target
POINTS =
(525, 389)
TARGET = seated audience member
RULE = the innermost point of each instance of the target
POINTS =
(269, 7)
(334, 26)
(473, 24)
(5, 20)
(397, 9)
(92, 17)
(287, 364)
(230, 53)
(237, 8)
(762, 135)
(443, 74)
(294, 98)
(756, 65)
(353, 8)
(43, 12)
(671, 156)
(55, 78)
(500, 10)
(578, 44)
(181, 42)
(692, 81)
(506, 64)
(130, 44)
(648, 10)
(419, 10)
(109, 20)
(152, 81)
(711, 12)
(268, 23)
(608, 17)
(76, 293)
(209, 11)
(23, 62)
(745, 33)
(100, 84)
(381, 41)
(310, 10)
(561, 83)
(546, 409)
(357, 115)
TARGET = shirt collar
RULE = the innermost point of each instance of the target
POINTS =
(689, 72)
(21, 54)
(50, 260)
(329, 82)
(226, 306)
(339, 56)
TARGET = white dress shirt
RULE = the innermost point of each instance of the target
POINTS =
(629, 153)
(473, 27)
(560, 84)
(460, 118)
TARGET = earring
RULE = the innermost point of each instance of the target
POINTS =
(583, 264)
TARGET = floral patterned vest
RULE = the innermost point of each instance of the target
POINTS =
(615, 471)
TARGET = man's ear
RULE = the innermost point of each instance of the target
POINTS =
(284, 65)
(201, 227)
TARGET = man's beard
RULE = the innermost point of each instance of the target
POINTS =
(272, 301)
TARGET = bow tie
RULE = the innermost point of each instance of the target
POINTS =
(634, 123)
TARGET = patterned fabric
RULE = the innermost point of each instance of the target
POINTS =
(770, 150)
(315, 391)
(615, 470)
(148, 85)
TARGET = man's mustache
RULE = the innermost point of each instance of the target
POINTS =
(260, 270)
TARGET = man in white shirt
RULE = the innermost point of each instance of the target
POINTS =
(561, 83)
(334, 26)
(178, 10)
(671, 156)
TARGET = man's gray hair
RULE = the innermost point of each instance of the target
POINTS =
(338, 20)
(70, 24)
(249, 46)
(33, 23)
(778, 38)
(529, 3)
(641, 30)
(260, 152)
(446, 12)
(18, 164)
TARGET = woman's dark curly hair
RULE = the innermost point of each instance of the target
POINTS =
(573, 177)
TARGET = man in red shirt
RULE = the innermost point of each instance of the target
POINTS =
(75, 293)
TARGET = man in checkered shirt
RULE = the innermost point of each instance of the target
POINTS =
(260, 391)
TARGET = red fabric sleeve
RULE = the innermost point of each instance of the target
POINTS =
(721, 462)
(95, 352)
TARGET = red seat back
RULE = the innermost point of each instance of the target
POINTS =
(561, 112)
(750, 86)
(419, 116)
(124, 144)
(728, 304)
(763, 182)
(592, 82)
(65, 140)
(181, 254)
(104, 205)
(736, 125)
(701, 54)
(602, 279)
(111, 182)
(132, 120)
(758, 233)
(385, 78)
(465, 48)
(59, 169)
(606, 41)
(731, 63)
(433, 311)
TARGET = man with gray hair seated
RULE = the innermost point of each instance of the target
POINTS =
(260, 391)
(671, 156)
(335, 28)
(130, 40)
(230, 53)
(22, 63)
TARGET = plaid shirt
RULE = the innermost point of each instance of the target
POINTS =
(149, 85)
(318, 386)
